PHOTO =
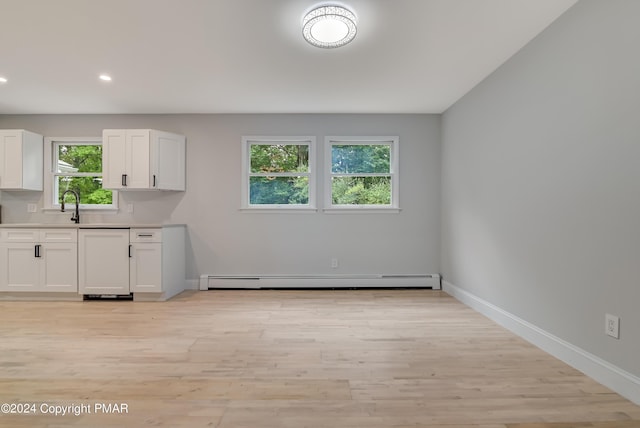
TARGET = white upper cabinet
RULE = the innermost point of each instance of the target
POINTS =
(143, 159)
(21, 156)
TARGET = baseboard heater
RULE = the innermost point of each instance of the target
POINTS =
(208, 282)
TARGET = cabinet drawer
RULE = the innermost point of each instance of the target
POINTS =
(20, 235)
(39, 235)
(59, 235)
(145, 235)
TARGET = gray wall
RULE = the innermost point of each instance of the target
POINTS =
(225, 241)
(541, 182)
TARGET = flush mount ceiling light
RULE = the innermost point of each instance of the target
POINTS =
(329, 26)
(105, 78)
(3, 79)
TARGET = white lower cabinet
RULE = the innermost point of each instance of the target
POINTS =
(59, 267)
(145, 260)
(157, 262)
(20, 272)
(103, 262)
(39, 260)
(120, 261)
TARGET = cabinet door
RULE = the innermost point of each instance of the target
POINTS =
(167, 161)
(19, 267)
(114, 155)
(10, 159)
(146, 267)
(138, 147)
(103, 261)
(59, 267)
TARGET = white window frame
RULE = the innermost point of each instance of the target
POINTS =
(247, 142)
(50, 168)
(394, 174)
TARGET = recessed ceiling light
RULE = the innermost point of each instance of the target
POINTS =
(329, 26)
(3, 79)
(105, 77)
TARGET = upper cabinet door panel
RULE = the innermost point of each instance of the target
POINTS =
(138, 152)
(170, 164)
(21, 156)
(114, 155)
(10, 153)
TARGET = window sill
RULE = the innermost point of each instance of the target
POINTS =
(72, 207)
(362, 210)
(279, 210)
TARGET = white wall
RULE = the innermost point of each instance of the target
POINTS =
(225, 241)
(541, 182)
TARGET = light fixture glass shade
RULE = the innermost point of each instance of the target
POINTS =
(329, 26)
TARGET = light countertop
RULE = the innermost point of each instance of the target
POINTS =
(85, 225)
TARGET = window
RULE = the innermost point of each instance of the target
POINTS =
(278, 172)
(361, 173)
(76, 164)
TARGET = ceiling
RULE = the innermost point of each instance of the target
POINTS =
(248, 56)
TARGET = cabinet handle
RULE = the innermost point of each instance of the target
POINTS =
(145, 235)
(37, 250)
(124, 180)
(130, 250)
(154, 180)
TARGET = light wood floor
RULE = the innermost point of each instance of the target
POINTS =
(270, 358)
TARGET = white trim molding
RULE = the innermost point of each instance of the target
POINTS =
(609, 375)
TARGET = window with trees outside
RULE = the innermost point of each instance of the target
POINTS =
(278, 172)
(77, 165)
(361, 173)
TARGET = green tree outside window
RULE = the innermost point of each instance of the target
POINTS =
(361, 174)
(279, 174)
(79, 167)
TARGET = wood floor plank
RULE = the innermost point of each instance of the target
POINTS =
(289, 358)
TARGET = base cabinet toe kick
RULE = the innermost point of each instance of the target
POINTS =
(79, 263)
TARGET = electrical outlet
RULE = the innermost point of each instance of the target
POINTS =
(612, 326)
(129, 208)
(32, 208)
(334, 263)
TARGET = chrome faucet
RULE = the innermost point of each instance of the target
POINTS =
(75, 217)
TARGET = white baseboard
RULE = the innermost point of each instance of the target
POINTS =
(319, 281)
(613, 377)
